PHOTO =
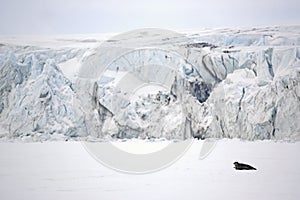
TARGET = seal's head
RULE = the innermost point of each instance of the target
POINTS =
(235, 164)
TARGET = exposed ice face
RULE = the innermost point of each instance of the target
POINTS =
(36, 98)
(222, 83)
(141, 116)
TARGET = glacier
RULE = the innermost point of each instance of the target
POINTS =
(223, 83)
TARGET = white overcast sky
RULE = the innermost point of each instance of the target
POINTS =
(97, 16)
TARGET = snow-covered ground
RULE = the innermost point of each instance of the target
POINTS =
(64, 170)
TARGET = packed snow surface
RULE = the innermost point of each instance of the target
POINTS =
(64, 170)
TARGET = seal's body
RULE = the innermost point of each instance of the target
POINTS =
(242, 166)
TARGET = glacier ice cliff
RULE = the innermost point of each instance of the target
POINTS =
(227, 83)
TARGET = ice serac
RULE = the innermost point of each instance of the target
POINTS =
(37, 101)
(229, 83)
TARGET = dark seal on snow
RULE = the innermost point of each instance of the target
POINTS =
(242, 166)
